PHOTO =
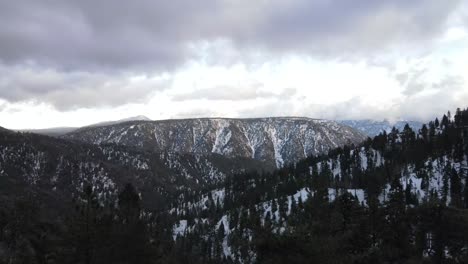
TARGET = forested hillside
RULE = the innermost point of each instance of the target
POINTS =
(373, 128)
(400, 197)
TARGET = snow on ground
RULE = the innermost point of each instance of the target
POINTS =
(363, 156)
(226, 248)
(358, 193)
(180, 229)
(223, 135)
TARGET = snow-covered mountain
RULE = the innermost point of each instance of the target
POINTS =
(280, 140)
(65, 166)
(60, 131)
(373, 128)
(240, 210)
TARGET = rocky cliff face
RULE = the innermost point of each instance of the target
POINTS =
(277, 140)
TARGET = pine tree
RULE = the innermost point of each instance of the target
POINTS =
(347, 206)
(424, 132)
(84, 227)
(445, 122)
(466, 194)
(397, 233)
(132, 243)
(455, 190)
(445, 183)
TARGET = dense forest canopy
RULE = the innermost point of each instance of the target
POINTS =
(400, 197)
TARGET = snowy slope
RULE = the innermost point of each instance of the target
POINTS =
(63, 166)
(278, 140)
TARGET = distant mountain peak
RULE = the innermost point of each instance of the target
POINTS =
(136, 118)
(128, 119)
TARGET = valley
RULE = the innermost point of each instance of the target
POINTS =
(231, 190)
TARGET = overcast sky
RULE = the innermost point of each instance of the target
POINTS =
(72, 63)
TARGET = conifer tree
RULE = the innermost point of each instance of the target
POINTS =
(455, 189)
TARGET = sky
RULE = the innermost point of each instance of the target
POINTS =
(73, 63)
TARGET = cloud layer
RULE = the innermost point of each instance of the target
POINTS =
(67, 91)
(122, 34)
(71, 55)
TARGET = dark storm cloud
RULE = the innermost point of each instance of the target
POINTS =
(85, 42)
(74, 90)
(120, 33)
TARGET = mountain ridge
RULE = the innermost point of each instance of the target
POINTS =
(374, 127)
(55, 163)
(369, 127)
(282, 140)
(353, 200)
(60, 131)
